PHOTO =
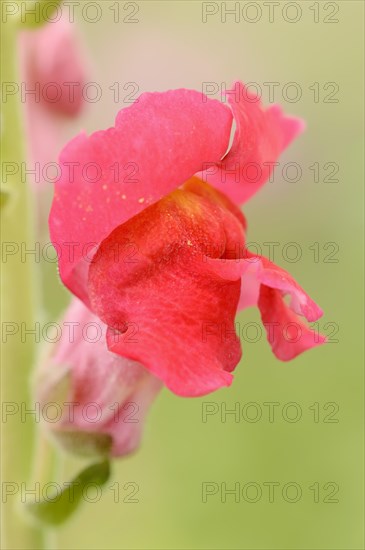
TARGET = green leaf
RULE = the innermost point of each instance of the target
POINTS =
(58, 508)
(4, 197)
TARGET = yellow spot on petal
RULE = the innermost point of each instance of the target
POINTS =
(141, 200)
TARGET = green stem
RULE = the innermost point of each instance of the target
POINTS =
(19, 295)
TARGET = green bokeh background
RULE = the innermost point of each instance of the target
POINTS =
(170, 47)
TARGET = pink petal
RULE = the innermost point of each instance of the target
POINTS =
(157, 144)
(261, 136)
(165, 306)
(286, 333)
(265, 284)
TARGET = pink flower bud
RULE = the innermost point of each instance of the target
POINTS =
(53, 67)
(91, 399)
(53, 76)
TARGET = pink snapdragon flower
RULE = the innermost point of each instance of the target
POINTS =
(103, 398)
(150, 237)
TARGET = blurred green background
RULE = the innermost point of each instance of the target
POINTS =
(171, 47)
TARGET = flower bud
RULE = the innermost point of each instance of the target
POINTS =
(100, 398)
(53, 67)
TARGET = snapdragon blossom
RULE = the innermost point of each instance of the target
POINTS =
(159, 215)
